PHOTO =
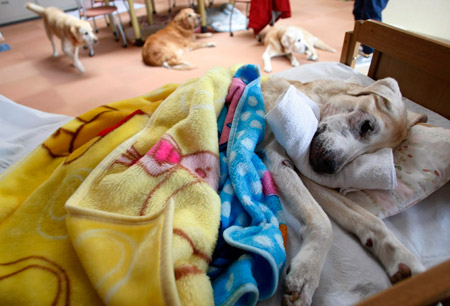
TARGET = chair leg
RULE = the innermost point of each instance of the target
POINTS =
(122, 33)
(231, 18)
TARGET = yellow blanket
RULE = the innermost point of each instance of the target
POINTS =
(119, 206)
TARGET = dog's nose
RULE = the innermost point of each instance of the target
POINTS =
(95, 41)
(323, 165)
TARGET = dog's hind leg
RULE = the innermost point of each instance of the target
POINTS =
(398, 261)
(50, 37)
(303, 275)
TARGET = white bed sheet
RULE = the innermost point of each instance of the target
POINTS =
(350, 272)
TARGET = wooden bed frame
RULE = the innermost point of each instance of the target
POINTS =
(421, 66)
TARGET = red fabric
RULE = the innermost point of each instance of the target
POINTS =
(261, 13)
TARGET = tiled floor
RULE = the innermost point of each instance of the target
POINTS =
(30, 75)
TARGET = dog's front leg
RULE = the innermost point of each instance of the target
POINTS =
(303, 275)
(76, 61)
(311, 52)
(398, 261)
(197, 45)
(293, 59)
(73, 54)
(267, 55)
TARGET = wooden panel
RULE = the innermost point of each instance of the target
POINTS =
(417, 85)
(430, 55)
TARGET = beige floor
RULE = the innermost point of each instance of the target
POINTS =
(30, 75)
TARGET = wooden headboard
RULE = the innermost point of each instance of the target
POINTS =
(421, 65)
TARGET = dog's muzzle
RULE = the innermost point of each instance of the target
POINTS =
(321, 159)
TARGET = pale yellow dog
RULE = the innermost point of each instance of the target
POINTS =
(353, 120)
(73, 32)
(286, 40)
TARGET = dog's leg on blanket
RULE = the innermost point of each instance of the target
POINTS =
(398, 261)
(303, 276)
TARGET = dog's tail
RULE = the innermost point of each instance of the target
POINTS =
(35, 8)
(181, 66)
(323, 46)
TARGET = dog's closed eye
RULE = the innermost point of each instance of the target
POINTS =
(365, 128)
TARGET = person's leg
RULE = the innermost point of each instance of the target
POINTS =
(358, 7)
(372, 10)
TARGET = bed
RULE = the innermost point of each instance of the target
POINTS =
(75, 255)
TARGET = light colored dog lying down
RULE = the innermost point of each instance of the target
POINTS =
(72, 32)
(286, 40)
(353, 120)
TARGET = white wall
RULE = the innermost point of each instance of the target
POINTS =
(431, 17)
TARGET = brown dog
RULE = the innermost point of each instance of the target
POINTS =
(72, 32)
(165, 47)
(287, 40)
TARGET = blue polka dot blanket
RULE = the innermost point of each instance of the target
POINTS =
(250, 253)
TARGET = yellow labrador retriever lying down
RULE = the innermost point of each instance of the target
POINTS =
(354, 120)
(286, 40)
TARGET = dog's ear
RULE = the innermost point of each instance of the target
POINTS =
(386, 88)
(287, 39)
(414, 118)
(74, 33)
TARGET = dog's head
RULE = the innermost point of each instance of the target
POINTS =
(187, 19)
(82, 32)
(293, 40)
(357, 120)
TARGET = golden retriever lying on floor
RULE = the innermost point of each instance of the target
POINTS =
(166, 46)
(353, 120)
(72, 32)
(287, 40)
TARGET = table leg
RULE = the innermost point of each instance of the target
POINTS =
(134, 22)
(149, 13)
(201, 8)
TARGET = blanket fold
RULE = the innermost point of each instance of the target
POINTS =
(119, 206)
(250, 253)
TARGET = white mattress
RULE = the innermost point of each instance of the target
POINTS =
(350, 273)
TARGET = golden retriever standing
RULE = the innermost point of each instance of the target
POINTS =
(72, 32)
(166, 46)
(287, 40)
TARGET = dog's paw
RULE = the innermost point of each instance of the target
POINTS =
(299, 286)
(401, 263)
(405, 269)
(312, 57)
(211, 45)
(79, 66)
(268, 69)
(295, 64)
(55, 54)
